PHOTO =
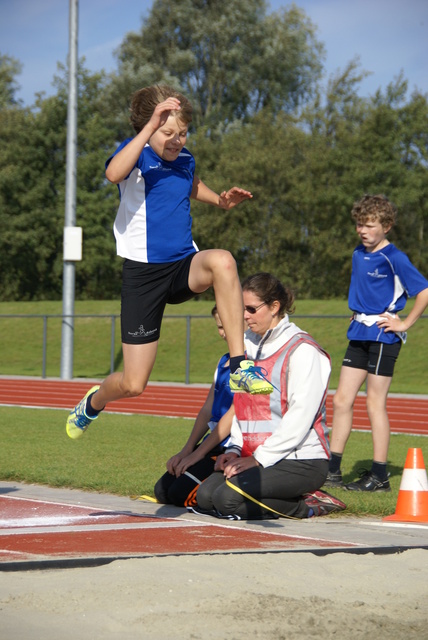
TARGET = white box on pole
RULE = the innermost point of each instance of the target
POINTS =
(72, 244)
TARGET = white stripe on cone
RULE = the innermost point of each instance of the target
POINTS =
(414, 480)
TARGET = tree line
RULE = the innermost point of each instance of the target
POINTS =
(264, 119)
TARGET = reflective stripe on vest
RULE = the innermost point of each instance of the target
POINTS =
(263, 413)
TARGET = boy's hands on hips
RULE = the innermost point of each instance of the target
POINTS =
(391, 323)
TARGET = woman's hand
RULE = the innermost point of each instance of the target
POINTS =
(223, 459)
(232, 464)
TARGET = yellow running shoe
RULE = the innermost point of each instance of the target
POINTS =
(78, 421)
(250, 379)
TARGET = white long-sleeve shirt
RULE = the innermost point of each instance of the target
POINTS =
(289, 413)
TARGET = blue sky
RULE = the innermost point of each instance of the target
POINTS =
(387, 35)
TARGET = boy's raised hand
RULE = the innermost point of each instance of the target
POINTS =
(234, 196)
(162, 112)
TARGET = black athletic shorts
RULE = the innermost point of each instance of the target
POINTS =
(377, 358)
(146, 289)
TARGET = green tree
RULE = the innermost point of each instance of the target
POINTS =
(263, 122)
(288, 162)
(32, 196)
(393, 158)
(9, 69)
(305, 172)
(228, 56)
(98, 274)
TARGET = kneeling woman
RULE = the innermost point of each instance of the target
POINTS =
(277, 457)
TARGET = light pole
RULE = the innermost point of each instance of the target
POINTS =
(72, 234)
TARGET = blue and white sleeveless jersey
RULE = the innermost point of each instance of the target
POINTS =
(153, 223)
(380, 281)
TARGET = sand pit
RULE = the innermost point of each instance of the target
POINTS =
(228, 596)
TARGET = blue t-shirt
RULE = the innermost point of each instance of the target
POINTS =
(380, 281)
(153, 223)
(223, 396)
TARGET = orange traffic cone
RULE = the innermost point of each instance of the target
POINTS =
(412, 502)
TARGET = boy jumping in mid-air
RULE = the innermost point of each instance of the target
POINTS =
(382, 279)
(156, 177)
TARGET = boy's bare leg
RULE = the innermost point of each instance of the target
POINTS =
(377, 392)
(217, 268)
(138, 361)
(350, 382)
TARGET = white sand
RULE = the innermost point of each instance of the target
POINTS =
(268, 596)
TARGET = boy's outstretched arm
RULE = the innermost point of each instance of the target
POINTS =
(226, 200)
(389, 323)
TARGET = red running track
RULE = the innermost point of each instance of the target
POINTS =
(407, 414)
(38, 531)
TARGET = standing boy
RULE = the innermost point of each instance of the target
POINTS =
(156, 177)
(382, 279)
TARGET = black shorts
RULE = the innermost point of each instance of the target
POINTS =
(377, 358)
(146, 289)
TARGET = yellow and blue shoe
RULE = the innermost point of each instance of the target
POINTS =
(250, 379)
(78, 421)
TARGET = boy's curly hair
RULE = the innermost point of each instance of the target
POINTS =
(374, 208)
(144, 102)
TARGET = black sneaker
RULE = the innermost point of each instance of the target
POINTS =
(322, 503)
(334, 480)
(368, 482)
(212, 512)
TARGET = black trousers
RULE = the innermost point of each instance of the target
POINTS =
(280, 487)
(181, 491)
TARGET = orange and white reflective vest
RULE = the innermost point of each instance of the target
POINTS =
(261, 426)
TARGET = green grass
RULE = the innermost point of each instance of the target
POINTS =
(119, 454)
(125, 455)
(22, 353)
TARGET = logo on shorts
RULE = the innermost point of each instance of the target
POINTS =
(141, 332)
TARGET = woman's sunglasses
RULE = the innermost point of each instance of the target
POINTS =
(253, 310)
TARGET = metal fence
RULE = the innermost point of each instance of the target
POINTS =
(113, 318)
(114, 338)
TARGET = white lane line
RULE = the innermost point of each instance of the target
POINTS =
(102, 527)
(69, 505)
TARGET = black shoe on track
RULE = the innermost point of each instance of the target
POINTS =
(368, 482)
(334, 480)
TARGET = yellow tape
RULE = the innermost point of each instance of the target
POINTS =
(144, 497)
(264, 506)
